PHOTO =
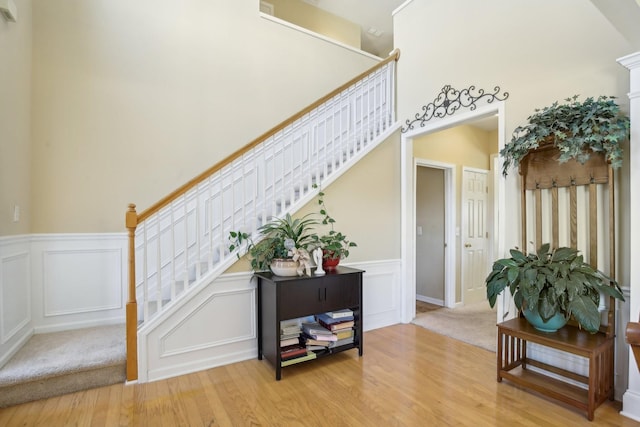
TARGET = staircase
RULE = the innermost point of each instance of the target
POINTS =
(64, 362)
(178, 246)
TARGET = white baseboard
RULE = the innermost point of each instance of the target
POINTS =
(430, 300)
(10, 352)
(68, 326)
(631, 405)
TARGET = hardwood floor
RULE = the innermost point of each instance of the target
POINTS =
(408, 376)
(423, 307)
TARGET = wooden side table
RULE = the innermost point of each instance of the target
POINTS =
(514, 363)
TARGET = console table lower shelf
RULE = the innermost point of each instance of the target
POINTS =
(513, 363)
(285, 298)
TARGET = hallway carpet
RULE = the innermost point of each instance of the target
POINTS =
(474, 324)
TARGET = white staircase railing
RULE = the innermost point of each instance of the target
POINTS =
(184, 237)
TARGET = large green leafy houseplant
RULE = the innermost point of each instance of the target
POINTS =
(576, 128)
(552, 281)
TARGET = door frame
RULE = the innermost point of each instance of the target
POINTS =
(449, 224)
(408, 191)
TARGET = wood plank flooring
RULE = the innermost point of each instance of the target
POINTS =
(408, 376)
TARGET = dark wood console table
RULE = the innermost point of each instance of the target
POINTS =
(513, 363)
(283, 298)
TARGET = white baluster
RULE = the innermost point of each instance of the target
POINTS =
(185, 216)
(172, 230)
(145, 270)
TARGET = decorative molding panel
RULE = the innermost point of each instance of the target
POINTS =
(211, 327)
(189, 335)
(15, 304)
(15, 295)
(381, 293)
(78, 280)
(81, 281)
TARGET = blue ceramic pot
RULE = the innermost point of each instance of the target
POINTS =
(551, 325)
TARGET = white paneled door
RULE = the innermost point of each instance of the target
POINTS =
(474, 235)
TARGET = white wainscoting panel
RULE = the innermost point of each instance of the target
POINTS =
(15, 295)
(16, 304)
(381, 293)
(213, 327)
(203, 328)
(217, 325)
(78, 280)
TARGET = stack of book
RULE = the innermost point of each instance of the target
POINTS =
(289, 333)
(292, 350)
(341, 324)
(316, 331)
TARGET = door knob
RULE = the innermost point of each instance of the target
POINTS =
(467, 245)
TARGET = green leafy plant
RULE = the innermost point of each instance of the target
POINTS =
(552, 281)
(576, 128)
(279, 237)
(334, 243)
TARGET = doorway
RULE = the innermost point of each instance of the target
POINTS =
(435, 213)
(409, 290)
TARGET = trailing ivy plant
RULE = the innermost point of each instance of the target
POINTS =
(553, 281)
(576, 128)
(334, 243)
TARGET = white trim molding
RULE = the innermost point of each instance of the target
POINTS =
(15, 295)
(77, 280)
(631, 398)
(408, 290)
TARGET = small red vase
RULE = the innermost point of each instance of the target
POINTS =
(329, 264)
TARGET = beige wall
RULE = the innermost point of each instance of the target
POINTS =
(365, 202)
(430, 244)
(132, 99)
(539, 52)
(462, 146)
(15, 120)
(320, 21)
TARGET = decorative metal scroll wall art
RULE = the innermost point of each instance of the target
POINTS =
(450, 100)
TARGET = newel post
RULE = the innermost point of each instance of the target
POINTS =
(131, 220)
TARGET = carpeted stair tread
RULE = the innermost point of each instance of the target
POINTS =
(64, 362)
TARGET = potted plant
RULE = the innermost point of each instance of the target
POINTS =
(335, 245)
(576, 128)
(286, 243)
(283, 239)
(551, 283)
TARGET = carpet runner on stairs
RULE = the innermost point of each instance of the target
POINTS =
(64, 362)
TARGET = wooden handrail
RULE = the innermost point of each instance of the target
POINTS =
(395, 56)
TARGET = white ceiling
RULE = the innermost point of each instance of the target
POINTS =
(376, 14)
(368, 14)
